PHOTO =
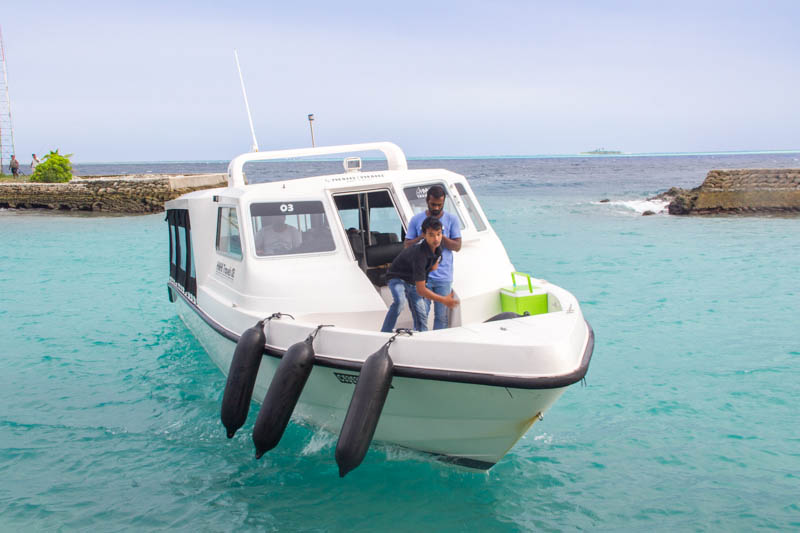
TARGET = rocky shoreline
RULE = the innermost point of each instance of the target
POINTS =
(130, 194)
(739, 191)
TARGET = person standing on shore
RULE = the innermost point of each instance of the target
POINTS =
(34, 161)
(14, 166)
(440, 280)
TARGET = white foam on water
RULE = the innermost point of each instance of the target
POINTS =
(640, 206)
(320, 440)
(398, 453)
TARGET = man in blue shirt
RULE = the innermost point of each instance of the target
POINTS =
(440, 281)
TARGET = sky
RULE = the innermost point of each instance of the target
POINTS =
(157, 81)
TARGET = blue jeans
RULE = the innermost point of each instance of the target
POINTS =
(402, 292)
(442, 288)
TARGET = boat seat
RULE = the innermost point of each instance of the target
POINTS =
(316, 240)
(356, 244)
(377, 275)
(381, 254)
(384, 238)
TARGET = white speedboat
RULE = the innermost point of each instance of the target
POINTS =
(290, 276)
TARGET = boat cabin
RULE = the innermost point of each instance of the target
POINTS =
(319, 247)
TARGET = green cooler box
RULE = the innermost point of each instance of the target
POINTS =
(520, 298)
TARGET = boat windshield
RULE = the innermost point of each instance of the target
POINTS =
(417, 194)
(471, 209)
(287, 228)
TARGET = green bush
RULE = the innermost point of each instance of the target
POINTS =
(55, 168)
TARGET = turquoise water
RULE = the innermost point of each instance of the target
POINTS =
(110, 416)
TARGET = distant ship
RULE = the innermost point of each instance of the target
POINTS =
(602, 151)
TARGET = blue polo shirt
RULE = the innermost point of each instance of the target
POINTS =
(450, 229)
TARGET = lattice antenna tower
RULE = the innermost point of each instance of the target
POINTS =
(6, 126)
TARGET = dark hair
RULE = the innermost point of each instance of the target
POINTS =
(436, 191)
(431, 223)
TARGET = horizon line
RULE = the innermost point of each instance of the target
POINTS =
(465, 157)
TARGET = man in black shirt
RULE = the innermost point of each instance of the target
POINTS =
(408, 274)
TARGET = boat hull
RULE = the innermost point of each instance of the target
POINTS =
(474, 425)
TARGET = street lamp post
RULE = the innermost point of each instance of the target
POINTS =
(311, 126)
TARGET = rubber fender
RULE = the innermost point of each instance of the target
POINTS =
(505, 316)
(242, 378)
(282, 396)
(170, 294)
(365, 410)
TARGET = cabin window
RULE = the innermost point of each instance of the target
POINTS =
(181, 253)
(287, 228)
(229, 241)
(182, 244)
(472, 210)
(173, 249)
(417, 196)
(374, 229)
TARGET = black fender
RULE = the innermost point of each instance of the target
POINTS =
(505, 316)
(242, 378)
(282, 396)
(365, 410)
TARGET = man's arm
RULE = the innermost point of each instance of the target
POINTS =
(411, 242)
(452, 241)
(414, 231)
(423, 291)
(451, 244)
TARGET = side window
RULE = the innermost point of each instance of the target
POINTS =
(181, 252)
(182, 244)
(228, 235)
(349, 218)
(374, 228)
(287, 228)
(173, 250)
(474, 215)
(384, 223)
(417, 198)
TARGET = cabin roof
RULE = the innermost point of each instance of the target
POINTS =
(313, 186)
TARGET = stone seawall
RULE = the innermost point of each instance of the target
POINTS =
(740, 191)
(145, 193)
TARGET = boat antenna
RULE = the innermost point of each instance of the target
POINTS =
(254, 147)
(6, 124)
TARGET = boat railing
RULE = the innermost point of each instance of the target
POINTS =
(395, 158)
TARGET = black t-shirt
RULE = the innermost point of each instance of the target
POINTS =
(414, 263)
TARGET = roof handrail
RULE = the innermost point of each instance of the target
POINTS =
(395, 158)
